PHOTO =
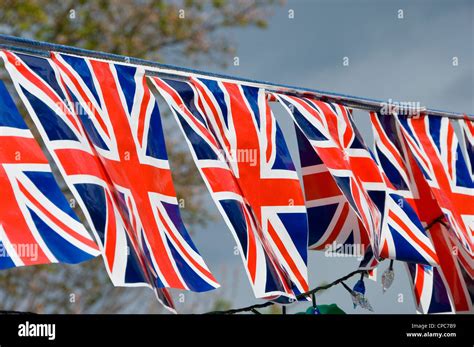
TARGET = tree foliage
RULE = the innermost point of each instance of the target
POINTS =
(191, 31)
(142, 28)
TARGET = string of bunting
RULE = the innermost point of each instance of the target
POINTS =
(408, 197)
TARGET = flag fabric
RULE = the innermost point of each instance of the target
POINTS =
(429, 290)
(435, 146)
(36, 81)
(242, 156)
(467, 128)
(333, 226)
(102, 126)
(399, 165)
(394, 228)
(37, 224)
(449, 287)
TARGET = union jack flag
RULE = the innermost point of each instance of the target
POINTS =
(102, 126)
(398, 164)
(37, 225)
(394, 228)
(242, 156)
(429, 290)
(437, 289)
(332, 223)
(467, 128)
(449, 287)
(434, 144)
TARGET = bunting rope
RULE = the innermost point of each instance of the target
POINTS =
(310, 293)
(41, 48)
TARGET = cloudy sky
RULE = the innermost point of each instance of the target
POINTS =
(417, 51)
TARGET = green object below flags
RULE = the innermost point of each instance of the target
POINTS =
(324, 309)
